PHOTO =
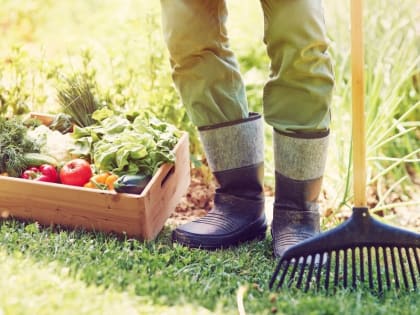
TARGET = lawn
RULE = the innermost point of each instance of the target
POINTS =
(46, 271)
(119, 47)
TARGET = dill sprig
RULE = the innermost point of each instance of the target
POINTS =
(13, 144)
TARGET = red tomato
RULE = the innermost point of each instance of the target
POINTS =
(76, 172)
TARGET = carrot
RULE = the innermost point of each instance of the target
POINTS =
(89, 185)
(110, 180)
(102, 181)
(100, 178)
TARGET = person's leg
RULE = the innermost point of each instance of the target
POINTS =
(296, 104)
(205, 70)
(206, 74)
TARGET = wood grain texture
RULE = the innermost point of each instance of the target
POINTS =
(358, 104)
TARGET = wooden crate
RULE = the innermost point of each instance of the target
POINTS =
(140, 216)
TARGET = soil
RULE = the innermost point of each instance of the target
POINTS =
(199, 200)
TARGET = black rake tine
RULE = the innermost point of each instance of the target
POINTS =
(416, 259)
(410, 266)
(276, 272)
(378, 269)
(361, 262)
(318, 271)
(311, 269)
(387, 278)
(292, 275)
(283, 275)
(345, 269)
(302, 271)
(394, 268)
(353, 264)
(404, 273)
(337, 267)
(370, 267)
(328, 269)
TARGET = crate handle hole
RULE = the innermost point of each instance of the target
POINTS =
(170, 172)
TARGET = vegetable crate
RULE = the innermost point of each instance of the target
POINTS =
(140, 216)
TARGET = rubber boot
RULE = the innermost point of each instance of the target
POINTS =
(299, 166)
(235, 153)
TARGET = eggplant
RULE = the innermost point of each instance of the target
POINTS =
(131, 184)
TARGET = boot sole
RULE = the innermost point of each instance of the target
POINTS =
(253, 231)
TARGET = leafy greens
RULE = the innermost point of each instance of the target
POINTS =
(126, 144)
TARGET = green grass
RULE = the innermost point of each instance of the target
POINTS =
(118, 46)
(54, 271)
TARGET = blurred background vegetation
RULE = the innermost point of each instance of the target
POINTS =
(118, 47)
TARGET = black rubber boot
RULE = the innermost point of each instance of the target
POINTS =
(299, 164)
(235, 153)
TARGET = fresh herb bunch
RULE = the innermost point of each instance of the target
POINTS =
(13, 144)
(77, 100)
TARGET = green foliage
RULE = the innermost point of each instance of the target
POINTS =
(114, 143)
(14, 100)
(14, 143)
(392, 102)
(158, 277)
(77, 101)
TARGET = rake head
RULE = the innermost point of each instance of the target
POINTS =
(360, 249)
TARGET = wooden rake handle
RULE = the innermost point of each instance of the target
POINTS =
(358, 108)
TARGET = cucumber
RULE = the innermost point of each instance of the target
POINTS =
(37, 159)
(131, 184)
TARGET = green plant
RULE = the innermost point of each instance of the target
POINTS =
(77, 100)
(157, 277)
(14, 97)
(14, 143)
(392, 103)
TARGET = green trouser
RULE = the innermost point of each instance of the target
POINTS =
(298, 92)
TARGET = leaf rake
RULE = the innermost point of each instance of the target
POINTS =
(362, 248)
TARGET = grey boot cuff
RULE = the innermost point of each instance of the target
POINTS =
(300, 158)
(235, 144)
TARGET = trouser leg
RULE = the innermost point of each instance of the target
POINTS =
(298, 93)
(204, 69)
(296, 103)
